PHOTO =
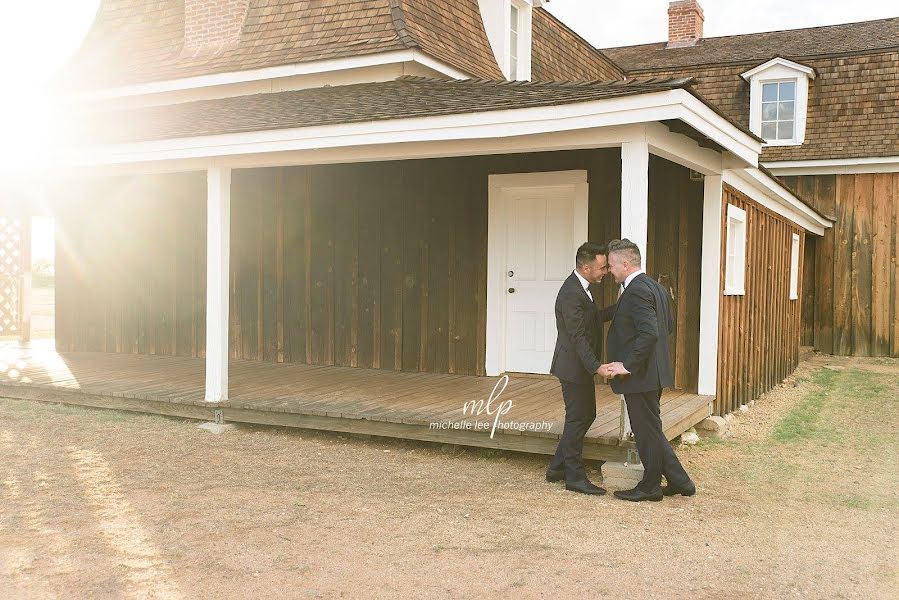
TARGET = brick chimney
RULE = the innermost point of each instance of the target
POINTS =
(685, 20)
(211, 26)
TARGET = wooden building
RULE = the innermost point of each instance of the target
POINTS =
(409, 223)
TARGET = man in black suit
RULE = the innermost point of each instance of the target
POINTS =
(640, 367)
(575, 363)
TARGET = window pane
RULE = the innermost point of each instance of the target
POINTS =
(785, 111)
(787, 90)
(514, 19)
(769, 130)
(769, 92)
(785, 130)
(769, 111)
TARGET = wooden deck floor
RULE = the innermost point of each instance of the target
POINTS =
(376, 402)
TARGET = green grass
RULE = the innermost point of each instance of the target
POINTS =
(804, 421)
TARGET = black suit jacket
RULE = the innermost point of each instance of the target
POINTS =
(638, 337)
(579, 331)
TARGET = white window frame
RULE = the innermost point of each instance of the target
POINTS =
(522, 71)
(778, 70)
(794, 268)
(735, 252)
(514, 48)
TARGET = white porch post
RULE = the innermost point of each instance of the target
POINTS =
(710, 289)
(634, 218)
(218, 238)
(25, 305)
(635, 193)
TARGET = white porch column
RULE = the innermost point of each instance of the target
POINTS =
(710, 289)
(635, 193)
(25, 305)
(634, 219)
(218, 248)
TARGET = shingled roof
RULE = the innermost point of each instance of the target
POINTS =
(559, 54)
(795, 44)
(135, 41)
(406, 97)
(853, 110)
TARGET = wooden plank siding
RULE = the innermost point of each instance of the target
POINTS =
(855, 299)
(374, 265)
(759, 332)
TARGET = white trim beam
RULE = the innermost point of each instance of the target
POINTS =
(682, 150)
(218, 244)
(772, 195)
(486, 127)
(297, 69)
(837, 166)
(710, 284)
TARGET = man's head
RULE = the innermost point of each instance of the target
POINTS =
(591, 261)
(624, 259)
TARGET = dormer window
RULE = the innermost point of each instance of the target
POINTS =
(778, 101)
(508, 25)
(778, 110)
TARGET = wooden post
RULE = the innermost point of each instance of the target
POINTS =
(634, 219)
(710, 287)
(218, 231)
(25, 301)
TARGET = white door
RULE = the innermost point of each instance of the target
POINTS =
(544, 224)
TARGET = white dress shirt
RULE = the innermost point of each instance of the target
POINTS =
(627, 281)
(585, 284)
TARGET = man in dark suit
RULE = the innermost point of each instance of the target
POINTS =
(640, 367)
(575, 363)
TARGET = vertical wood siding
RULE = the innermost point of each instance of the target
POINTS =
(759, 332)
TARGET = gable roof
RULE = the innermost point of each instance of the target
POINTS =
(135, 41)
(559, 54)
(847, 38)
(406, 97)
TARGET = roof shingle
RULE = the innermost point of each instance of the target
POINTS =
(136, 41)
(407, 97)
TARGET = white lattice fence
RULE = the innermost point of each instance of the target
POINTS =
(11, 256)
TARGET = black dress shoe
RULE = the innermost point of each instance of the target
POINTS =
(584, 487)
(684, 490)
(638, 495)
(553, 476)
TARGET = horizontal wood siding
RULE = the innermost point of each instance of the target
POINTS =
(759, 332)
(856, 264)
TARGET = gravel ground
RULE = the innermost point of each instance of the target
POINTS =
(799, 501)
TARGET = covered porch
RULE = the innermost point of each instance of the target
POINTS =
(420, 406)
(341, 251)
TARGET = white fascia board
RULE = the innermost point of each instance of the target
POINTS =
(779, 62)
(773, 196)
(838, 166)
(492, 125)
(718, 129)
(309, 68)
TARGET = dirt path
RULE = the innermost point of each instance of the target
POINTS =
(800, 502)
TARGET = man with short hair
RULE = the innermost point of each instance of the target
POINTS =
(640, 367)
(575, 363)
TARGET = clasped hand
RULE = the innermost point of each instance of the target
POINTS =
(614, 369)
